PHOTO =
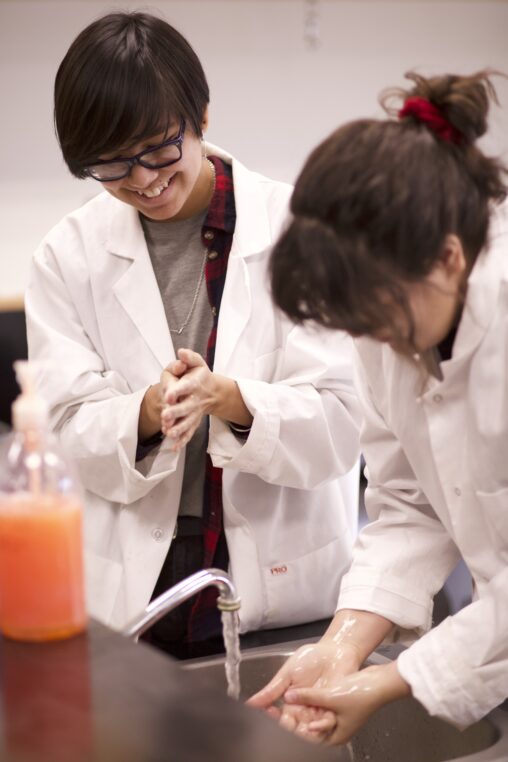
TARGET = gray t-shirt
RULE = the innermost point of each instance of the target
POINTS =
(178, 259)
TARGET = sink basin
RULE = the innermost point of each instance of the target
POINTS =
(400, 732)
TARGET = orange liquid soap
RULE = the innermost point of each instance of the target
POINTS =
(41, 566)
(41, 556)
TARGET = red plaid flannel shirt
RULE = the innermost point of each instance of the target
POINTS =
(217, 237)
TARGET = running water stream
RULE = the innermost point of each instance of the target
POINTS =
(233, 655)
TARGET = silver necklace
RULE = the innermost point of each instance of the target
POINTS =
(178, 331)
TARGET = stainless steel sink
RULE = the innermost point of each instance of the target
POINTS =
(400, 732)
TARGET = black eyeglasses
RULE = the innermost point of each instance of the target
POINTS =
(166, 153)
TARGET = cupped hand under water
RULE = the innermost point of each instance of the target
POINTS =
(318, 667)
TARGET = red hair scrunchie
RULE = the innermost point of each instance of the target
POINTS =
(425, 112)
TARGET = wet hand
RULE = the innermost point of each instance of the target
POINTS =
(351, 701)
(319, 666)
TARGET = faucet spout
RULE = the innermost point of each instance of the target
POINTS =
(228, 599)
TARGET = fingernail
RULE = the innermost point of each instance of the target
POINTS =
(291, 695)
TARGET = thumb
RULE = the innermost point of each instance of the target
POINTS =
(190, 358)
(271, 692)
(176, 369)
(169, 379)
(310, 697)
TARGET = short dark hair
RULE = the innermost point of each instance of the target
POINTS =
(374, 203)
(124, 78)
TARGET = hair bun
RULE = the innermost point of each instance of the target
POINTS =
(463, 101)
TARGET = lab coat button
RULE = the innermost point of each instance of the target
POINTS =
(458, 491)
(437, 398)
(214, 311)
(209, 234)
(157, 534)
(212, 255)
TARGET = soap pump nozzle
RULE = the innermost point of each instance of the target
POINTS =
(29, 411)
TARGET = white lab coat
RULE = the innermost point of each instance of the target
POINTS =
(289, 492)
(437, 458)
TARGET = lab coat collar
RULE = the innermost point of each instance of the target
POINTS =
(490, 271)
(252, 231)
(252, 236)
(487, 277)
(136, 288)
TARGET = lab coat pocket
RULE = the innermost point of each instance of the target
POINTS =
(103, 577)
(494, 507)
(305, 589)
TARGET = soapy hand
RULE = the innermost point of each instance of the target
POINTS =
(190, 391)
(318, 667)
(325, 696)
(351, 701)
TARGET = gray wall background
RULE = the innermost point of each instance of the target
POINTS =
(283, 74)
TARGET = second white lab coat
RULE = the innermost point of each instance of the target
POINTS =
(437, 458)
(289, 491)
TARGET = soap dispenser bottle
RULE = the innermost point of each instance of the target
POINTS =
(41, 558)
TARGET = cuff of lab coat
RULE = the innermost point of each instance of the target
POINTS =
(436, 668)
(158, 463)
(391, 597)
(251, 455)
(155, 466)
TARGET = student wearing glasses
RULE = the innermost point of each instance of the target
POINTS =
(208, 430)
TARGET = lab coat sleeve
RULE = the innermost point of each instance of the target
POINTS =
(92, 409)
(402, 558)
(459, 670)
(306, 421)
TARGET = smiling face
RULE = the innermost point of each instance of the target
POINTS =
(175, 192)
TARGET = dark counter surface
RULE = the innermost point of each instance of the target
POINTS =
(101, 698)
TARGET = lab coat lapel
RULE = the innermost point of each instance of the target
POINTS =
(234, 313)
(252, 235)
(484, 286)
(136, 289)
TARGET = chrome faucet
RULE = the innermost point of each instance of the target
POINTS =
(228, 599)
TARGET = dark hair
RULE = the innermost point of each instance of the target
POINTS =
(124, 78)
(374, 203)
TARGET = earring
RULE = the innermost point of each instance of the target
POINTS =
(203, 147)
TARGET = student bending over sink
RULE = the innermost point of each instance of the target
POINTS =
(400, 238)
